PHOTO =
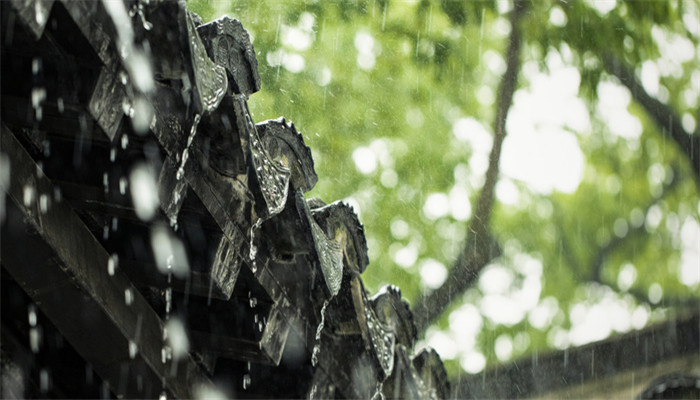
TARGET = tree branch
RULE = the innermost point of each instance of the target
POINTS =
(616, 242)
(479, 247)
(662, 114)
(605, 251)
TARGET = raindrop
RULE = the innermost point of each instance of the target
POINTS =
(185, 152)
(168, 300)
(32, 315)
(246, 381)
(253, 248)
(133, 349)
(28, 195)
(384, 17)
(166, 353)
(88, 374)
(104, 387)
(137, 9)
(323, 319)
(163, 396)
(253, 302)
(169, 253)
(34, 339)
(140, 70)
(112, 264)
(125, 141)
(141, 115)
(44, 203)
(177, 340)
(112, 154)
(122, 185)
(128, 296)
(105, 232)
(314, 354)
(127, 108)
(36, 65)
(59, 103)
(143, 192)
(44, 375)
(115, 223)
(38, 96)
(105, 181)
(123, 77)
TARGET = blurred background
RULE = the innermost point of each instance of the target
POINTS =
(586, 141)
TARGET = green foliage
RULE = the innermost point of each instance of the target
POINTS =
(391, 78)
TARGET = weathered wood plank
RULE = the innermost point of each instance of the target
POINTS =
(591, 364)
(81, 293)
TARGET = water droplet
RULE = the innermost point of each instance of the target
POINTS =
(36, 62)
(185, 152)
(314, 354)
(144, 193)
(32, 315)
(43, 203)
(34, 339)
(319, 329)
(122, 184)
(163, 396)
(246, 381)
(112, 154)
(123, 77)
(128, 296)
(125, 141)
(40, 13)
(127, 108)
(105, 181)
(38, 96)
(44, 374)
(253, 302)
(112, 264)
(166, 353)
(133, 349)
(168, 300)
(28, 195)
(139, 66)
(177, 340)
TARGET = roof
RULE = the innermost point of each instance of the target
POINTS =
(157, 236)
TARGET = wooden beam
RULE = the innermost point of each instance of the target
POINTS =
(78, 292)
(589, 366)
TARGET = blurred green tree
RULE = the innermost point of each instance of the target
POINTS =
(587, 226)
